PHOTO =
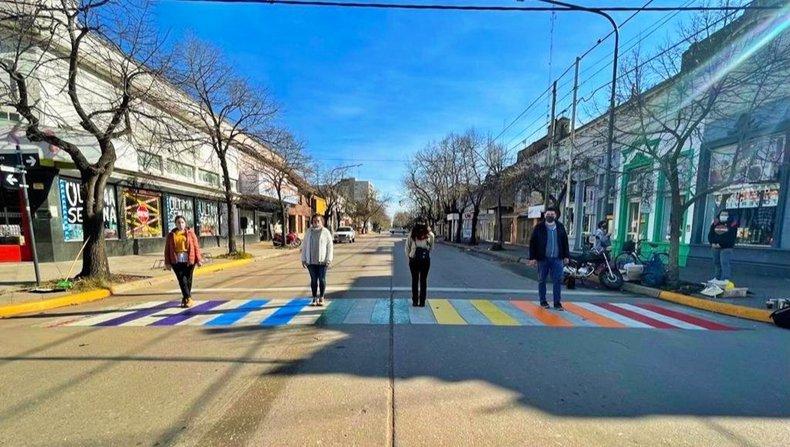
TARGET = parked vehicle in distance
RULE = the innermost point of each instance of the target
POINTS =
(345, 234)
(398, 230)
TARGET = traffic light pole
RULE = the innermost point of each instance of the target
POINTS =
(28, 215)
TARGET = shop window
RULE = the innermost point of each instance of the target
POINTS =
(149, 162)
(208, 177)
(180, 169)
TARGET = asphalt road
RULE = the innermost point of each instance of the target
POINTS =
(388, 383)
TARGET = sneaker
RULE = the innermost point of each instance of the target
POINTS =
(314, 302)
(189, 303)
(558, 307)
(544, 305)
(320, 301)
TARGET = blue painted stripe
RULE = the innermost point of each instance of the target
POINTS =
(336, 312)
(400, 311)
(361, 312)
(234, 315)
(469, 313)
(381, 312)
(519, 315)
(420, 315)
(284, 314)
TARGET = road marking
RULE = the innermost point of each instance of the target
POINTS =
(95, 321)
(517, 314)
(186, 314)
(469, 312)
(284, 314)
(444, 312)
(636, 316)
(546, 317)
(256, 316)
(336, 312)
(234, 314)
(660, 317)
(362, 312)
(494, 314)
(420, 315)
(627, 322)
(686, 317)
(382, 289)
(400, 311)
(598, 319)
(142, 313)
(381, 312)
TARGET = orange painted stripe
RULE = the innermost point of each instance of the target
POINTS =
(600, 320)
(547, 317)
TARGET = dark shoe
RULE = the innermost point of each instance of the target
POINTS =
(558, 307)
(544, 305)
(415, 303)
(184, 302)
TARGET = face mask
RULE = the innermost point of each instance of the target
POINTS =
(723, 217)
(550, 219)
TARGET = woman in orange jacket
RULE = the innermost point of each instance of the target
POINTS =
(182, 254)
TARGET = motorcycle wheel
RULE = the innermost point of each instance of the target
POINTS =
(612, 281)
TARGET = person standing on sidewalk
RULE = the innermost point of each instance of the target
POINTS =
(549, 250)
(418, 250)
(317, 254)
(182, 254)
(722, 236)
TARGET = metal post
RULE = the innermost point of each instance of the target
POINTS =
(550, 155)
(23, 172)
(573, 135)
(607, 179)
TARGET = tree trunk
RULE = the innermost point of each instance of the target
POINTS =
(675, 223)
(475, 216)
(94, 257)
(284, 217)
(229, 203)
(500, 236)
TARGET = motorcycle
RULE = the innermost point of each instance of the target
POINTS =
(589, 264)
(291, 240)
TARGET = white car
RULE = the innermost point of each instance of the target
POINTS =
(345, 234)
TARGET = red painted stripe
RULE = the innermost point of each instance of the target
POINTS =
(636, 316)
(687, 318)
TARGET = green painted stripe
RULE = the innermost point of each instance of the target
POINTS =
(336, 312)
(400, 311)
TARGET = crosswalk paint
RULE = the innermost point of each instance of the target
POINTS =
(263, 312)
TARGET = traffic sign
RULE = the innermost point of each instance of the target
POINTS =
(29, 159)
(11, 181)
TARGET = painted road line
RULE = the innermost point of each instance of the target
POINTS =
(237, 313)
(660, 317)
(494, 314)
(336, 312)
(400, 311)
(547, 317)
(627, 322)
(381, 312)
(469, 312)
(204, 317)
(188, 313)
(382, 289)
(95, 320)
(574, 319)
(598, 319)
(309, 314)
(255, 317)
(420, 315)
(362, 311)
(710, 325)
(522, 318)
(142, 313)
(636, 316)
(154, 317)
(286, 313)
(444, 312)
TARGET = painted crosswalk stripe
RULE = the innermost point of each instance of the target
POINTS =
(444, 312)
(469, 312)
(494, 313)
(598, 319)
(546, 317)
(625, 321)
(636, 316)
(400, 311)
(336, 312)
(381, 312)
(284, 314)
(309, 314)
(205, 317)
(575, 320)
(186, 314)
(657, 316)
(362, 311)
(94, 321)
(253, 318)
(710, 325)
(142, 313)
(518, 315)
(420, 315)
(149, 319)
(232, 316)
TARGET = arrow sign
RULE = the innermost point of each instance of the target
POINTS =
(11, 180)
(30, 160)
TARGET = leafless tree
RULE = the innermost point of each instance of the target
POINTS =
(104, 58)
(327, 184)
(364, 209)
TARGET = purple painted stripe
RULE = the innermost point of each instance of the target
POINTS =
(187, 313)
(138, 314)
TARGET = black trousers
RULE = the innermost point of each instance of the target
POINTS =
(183, 273)
(419, 276)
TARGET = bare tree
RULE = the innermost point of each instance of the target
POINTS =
(328, 185)
(106, 60)
(363, 210)
(229, 113)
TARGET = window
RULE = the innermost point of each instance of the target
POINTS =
(210, 178)
(180, 169)
(149, 162)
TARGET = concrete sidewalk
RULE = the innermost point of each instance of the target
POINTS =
(761, 288)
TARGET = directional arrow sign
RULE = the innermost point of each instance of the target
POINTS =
(10, 181)
(30, 160)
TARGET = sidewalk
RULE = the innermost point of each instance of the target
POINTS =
(761, 288)
(18, 278)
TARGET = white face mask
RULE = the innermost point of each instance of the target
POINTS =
(724, 217)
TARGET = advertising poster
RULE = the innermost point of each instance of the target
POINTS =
(179, 206)
(142, 213)
(207, 218)
(72, 205)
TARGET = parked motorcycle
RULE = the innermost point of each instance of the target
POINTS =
(291, 239)
(589, 264)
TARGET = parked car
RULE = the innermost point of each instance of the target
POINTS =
(345, 234)
(398, 230)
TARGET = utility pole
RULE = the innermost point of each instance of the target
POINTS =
(550, 155)
(573, 136)
(28, 215)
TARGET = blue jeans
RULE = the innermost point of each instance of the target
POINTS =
(317, 278)
(554, 267)
(721, 262)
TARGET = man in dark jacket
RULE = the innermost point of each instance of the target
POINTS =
(722, 235)
(548, 249)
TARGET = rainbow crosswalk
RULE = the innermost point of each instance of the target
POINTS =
(278, 312)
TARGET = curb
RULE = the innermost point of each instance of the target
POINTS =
(98, 294)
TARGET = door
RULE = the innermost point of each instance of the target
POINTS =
(634, 221)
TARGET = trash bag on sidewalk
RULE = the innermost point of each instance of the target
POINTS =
(655, 273)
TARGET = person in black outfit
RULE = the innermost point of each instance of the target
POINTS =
(722, 236)
(418, 250)
(549, 251)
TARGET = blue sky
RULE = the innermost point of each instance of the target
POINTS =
(371, 87)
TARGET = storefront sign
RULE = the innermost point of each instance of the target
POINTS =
(179, 206)
(208, 218)
(72, 211)
(142, 212)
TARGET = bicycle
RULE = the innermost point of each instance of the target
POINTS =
(632, 254)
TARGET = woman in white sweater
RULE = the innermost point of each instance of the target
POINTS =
(418, 250)
(317, 254)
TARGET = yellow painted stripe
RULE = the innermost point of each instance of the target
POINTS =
(444, 312)
(494, 314)
(67, 300)
(715, 306)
